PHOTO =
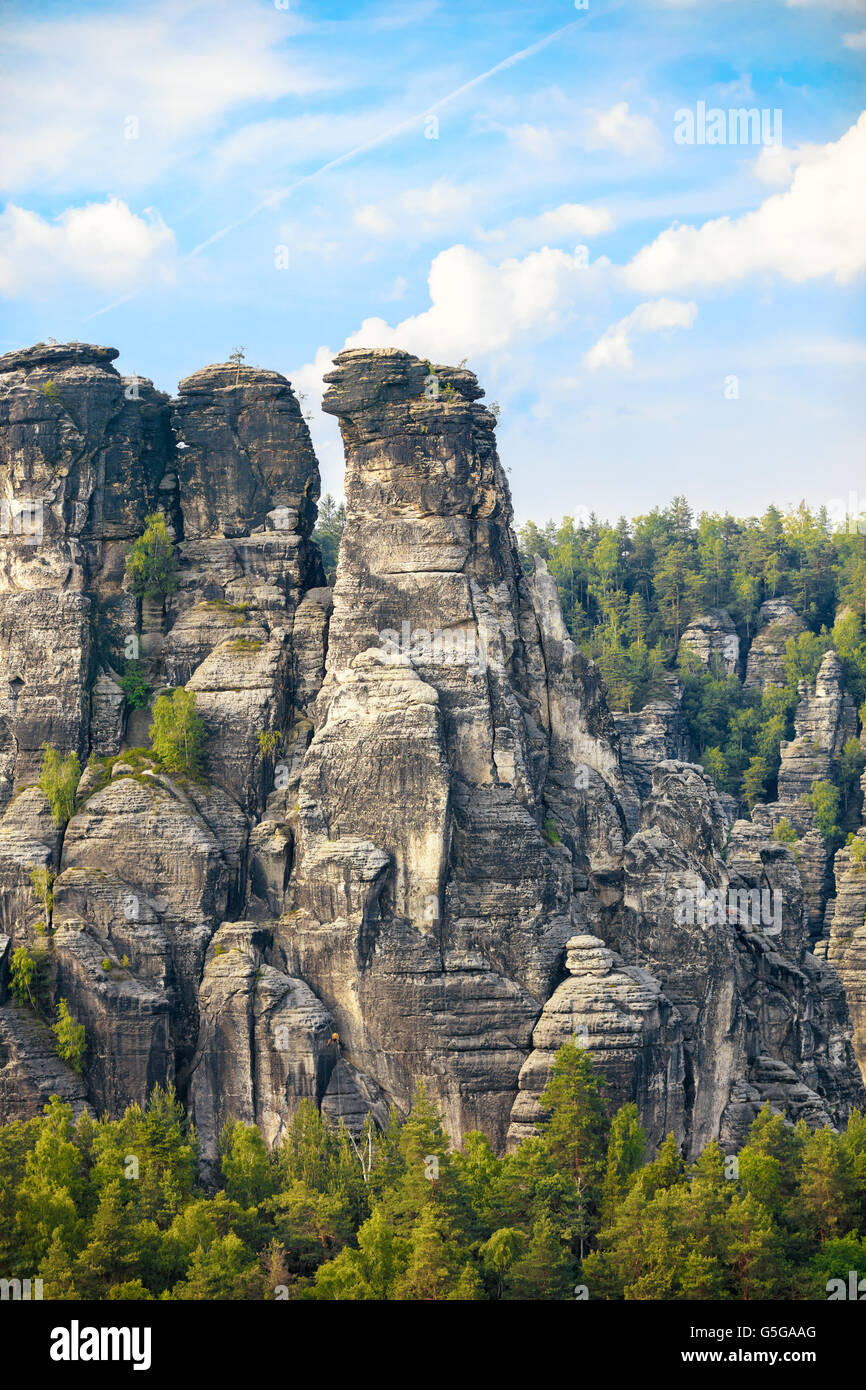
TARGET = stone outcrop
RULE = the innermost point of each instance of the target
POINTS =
(652, 735)
(30, 1070)
(778, 622)
(265, 1041)
(825, 719)
(845, 944)
(148, 866)
(82, 452)
(633, 1031)
(712, 640)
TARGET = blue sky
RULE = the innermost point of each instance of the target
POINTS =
(495, 182)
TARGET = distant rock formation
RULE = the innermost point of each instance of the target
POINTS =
(825, 719)
(712, 638)
(778, 622)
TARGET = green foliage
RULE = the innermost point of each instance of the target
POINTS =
(58, 781)
(629, 590)
(69, 1035)
(851, 765)
(177, 734)
(824, 800)
(42, 883)
(329, 529)
(784, 832)
(22, 977)
(550, 831)
(134, 685)
(115, 1209)
(269, 742)
(151, 563)
(755, 781)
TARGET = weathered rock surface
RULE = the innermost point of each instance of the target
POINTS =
(825, 719)
(845, 946)
(712, 640)
(30, 1070)
(779, 622)
(265, 1041)
(651, 735)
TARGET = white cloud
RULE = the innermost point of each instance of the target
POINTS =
(478, 307)
(177, 66)
(397, 289)
(102, 244)
(857, 41)
(372, 219)
(285, 142)
(575, 127)
(849, 6)
(537, 141)
(817, 228)
(613, 348)
(422, 210)
(563, 223)
(620, 130)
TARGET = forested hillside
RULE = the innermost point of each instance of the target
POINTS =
(113, 1208)
(629, 591)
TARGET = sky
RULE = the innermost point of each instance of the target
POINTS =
(662, 296)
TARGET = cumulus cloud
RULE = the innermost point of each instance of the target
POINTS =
(478, 307)
(857, 40)
(815, 229)
(613, 348)
(102, 244)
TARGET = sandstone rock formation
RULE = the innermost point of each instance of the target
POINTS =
(422, 847)
(778, 622)
(824, 720)
(712, 640)
(652, 735)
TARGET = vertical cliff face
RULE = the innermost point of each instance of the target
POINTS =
(247, 482)
(825, 719)
(149, 865)
(458, 799)
(82, 452)
(431, 910)
(845, 944)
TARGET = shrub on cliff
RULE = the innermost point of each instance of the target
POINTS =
(21, 980)
(58, 781)
(177, 734)
(134, 685)
(824, 800)
(69, 1035)
(151, 563)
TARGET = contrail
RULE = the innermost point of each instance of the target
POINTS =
(278, 196)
